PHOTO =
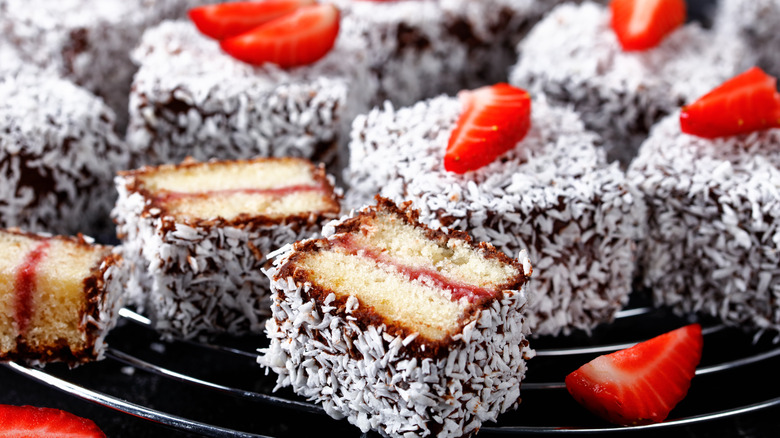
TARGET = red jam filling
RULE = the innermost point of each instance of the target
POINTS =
(24, 285)
(457, 289)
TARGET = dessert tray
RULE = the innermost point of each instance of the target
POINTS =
(215, 388)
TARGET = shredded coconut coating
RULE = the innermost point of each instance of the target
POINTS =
(386, 387)
(574, 58)
(87, 42)
(191, 99)
(755, 23)
(714, 212)
(553, 195)
(11, 62)
(58, 154)
(198, 278)
(113, 280)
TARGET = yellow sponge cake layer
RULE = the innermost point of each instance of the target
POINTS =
(54, 304)
(60, 299)
(268, 187)
(453, 258)
(230, 175)
(230, 205)
(14, 247)
(415, 305)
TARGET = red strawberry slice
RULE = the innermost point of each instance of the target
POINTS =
(28, 421)
(225, 20)
(494, 120)
(643, 24)
(745, 103)
(296, 39)
(641, 384)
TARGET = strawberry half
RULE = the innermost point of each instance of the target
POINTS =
(225, 20)
(745, 103)
(641, 384)
(643, 24)
(28, 421)
(300, 38)
(494, 120)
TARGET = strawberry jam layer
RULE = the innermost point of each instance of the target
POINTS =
(277, 192)
(24, 285)
(456, 289)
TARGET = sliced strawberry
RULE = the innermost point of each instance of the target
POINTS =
(643, 24)
(494, 120)
(641, 384)
(300, 38)
(28, 421)
(745, 103)
(220, 21)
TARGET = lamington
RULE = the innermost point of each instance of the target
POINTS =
(59, 297)
(196, 236)
(420, 49)
(86, 42)
(754, 22)
(574, 57)
(58, 155)
(713, 223)
(191, 98)
(398, 327)
(553, 194)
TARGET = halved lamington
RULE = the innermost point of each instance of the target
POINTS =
(197, 234)
(574, 57)
(713, 242)
(58, 155)
(552, 194)
(755, 23)
(59, 297)
(399, 328)
(85, 42)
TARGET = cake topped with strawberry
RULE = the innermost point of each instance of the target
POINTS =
(624, 67)
(551, 192)
(710, 175)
